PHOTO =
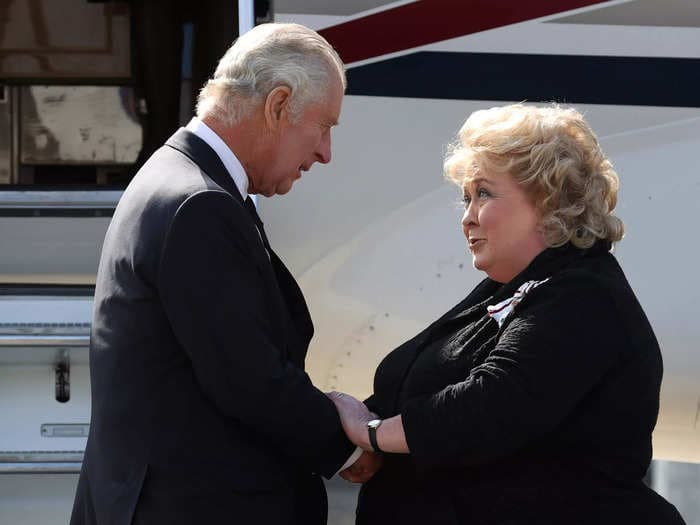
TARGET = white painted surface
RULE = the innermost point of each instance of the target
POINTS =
(34, 248)
(376, 242)
(246, 16)
(27, 499)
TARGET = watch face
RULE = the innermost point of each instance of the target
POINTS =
(374, 423)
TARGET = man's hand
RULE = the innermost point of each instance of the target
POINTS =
(354, 416)
(363, 469)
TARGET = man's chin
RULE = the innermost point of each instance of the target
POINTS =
(266, 192)
(283, 189)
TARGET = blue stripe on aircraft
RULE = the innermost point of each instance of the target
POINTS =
(643, 81)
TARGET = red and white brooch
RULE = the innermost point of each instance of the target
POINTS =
(501, 310)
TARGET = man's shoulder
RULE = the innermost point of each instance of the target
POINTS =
(167, 180)
(172, 172)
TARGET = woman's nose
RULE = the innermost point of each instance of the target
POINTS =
(469, 217)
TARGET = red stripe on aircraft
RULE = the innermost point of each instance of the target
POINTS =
(427, 21)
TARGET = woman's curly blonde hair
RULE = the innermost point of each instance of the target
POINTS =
(553, 153)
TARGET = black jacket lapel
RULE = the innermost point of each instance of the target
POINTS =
(206, 158)
(301, 327)
(209, 162)
(296, 318)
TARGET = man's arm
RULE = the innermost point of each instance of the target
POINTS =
(212, 292)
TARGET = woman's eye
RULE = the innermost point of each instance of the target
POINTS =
(466, 200)
(483, 194)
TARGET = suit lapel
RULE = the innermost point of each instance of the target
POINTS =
(301, 328)
(209, 162)
(295, 326)
(206, 158)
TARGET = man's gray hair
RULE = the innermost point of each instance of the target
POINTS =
(266, 57)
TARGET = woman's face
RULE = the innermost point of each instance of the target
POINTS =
(501, 226)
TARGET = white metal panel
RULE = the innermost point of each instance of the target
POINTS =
(376, 241)
(38, 499)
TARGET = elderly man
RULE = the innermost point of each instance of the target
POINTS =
(201, 410)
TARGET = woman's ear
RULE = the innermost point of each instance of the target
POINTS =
(277, 106)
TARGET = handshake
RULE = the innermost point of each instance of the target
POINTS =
(354, 416)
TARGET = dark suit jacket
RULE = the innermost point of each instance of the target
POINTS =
(546, 419)
(201, 410)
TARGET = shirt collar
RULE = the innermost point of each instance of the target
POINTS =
(229, 159)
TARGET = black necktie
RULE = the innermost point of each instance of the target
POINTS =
(250, 206)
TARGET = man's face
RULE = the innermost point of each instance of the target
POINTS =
(296, 146)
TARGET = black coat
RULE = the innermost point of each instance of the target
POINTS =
(201, 410)
(546, 419)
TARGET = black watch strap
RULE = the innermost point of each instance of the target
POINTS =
(372, 427)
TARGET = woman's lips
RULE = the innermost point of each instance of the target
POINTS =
(475, 243)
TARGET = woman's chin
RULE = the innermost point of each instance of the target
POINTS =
(478, 263)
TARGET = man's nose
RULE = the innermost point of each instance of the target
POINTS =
(323, 153)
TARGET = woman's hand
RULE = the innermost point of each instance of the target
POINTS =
(354, 416)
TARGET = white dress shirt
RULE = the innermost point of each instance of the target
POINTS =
(228, 158)
(238, 174)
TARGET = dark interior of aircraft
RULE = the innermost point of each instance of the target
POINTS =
(92, 87)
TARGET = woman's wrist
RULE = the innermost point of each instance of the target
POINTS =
(390, 436)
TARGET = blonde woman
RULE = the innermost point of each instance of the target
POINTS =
(533, 400)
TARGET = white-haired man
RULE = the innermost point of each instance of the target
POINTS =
(201, 410)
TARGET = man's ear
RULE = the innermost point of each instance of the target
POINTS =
(277, 106)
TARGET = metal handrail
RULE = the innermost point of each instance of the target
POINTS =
(51, 467)
(41, 456)
(44, 340)
(44, 462)
(38, 199)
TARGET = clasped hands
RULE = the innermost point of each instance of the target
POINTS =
(354, 416)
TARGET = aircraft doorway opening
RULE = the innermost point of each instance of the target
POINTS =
(93, 87)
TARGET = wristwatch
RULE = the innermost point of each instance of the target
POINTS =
(372, 427)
